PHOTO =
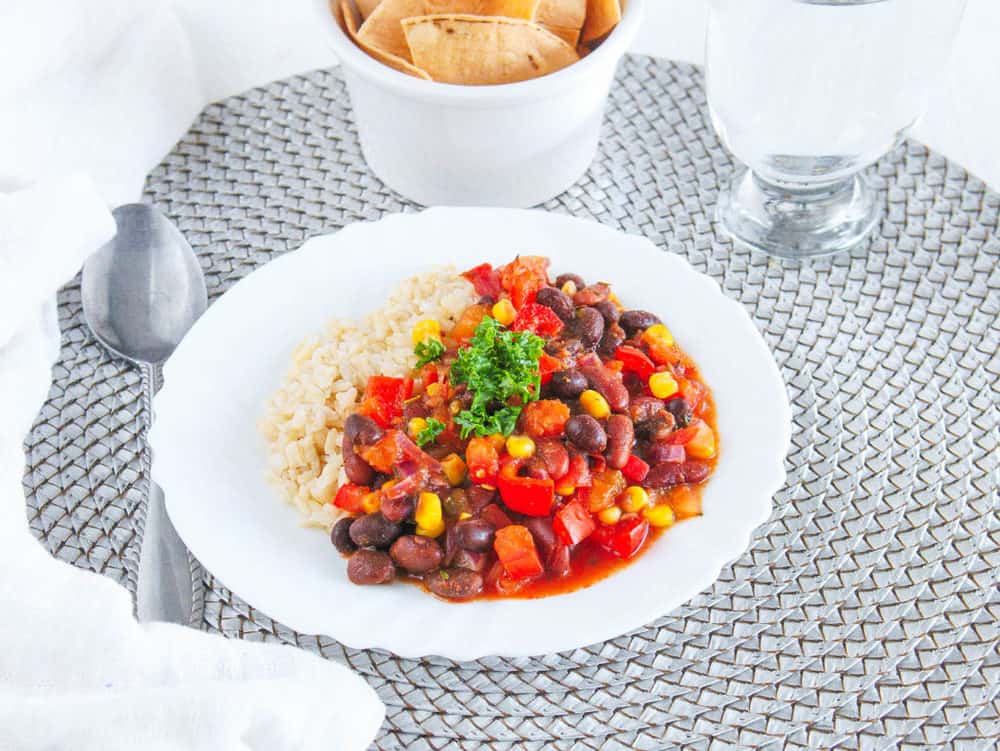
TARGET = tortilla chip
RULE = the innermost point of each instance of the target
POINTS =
(570, 35)
(383, 28)
(367, 7)
(479, 50)
(602, 17)
(347, 16)
(562, 14)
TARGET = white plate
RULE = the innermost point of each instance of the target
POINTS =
(209, 457)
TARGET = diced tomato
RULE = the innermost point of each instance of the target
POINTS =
(429, 374)
(483, 460)
(538, 319)
(605, 489)
(466, 324)
(547, 365)
(525, 495)
(682, 436)
(515, 548)
(702, 444)
(661, 353)
(635, 469)
(573, 523)
(393, 448)
(685, 501)
(523, 277)
(578, 474)
(485, 279)
(384, 397)
(495, 516)
(625, 538)
(693, 392)
(545, 418)
(500, 581)
(349, 497)
(635, 361)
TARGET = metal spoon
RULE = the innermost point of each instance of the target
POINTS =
(142, 292)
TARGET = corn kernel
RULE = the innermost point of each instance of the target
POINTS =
(434, 389)
(594, 404)
(520, 447)
(415, 426)
(370, 503)
(614, 299)
(662, 385)
(426, 329)
(454, 406)
(496, 440)
(565, 490)
(609, 515)
(635, 499)
(569, 288)
(504, 312)
(659, 333)
(454, 469)
(429, 517)
(659, 516)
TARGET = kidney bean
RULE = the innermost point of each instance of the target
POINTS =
(475, 534)
(588, 325)
(358, 429)
(669, 474)
(568, 384)
(479, 498)
(586, 434)
(340, 536)
(609, 310)
(621, 435)
(660, 453)
(681, 411)
(611, 340)
(416, 554)
(555, 457)
(633, 384)
(397, 508)
(535, 468)
(471, 560)
(370, 567)
(575, 278)
(542, 533)
(608, 383)
(563, 347)
(656, 428)
(592, 294)
(374, 531)
(454, 583)
(557, 300)
(558, 561)
(634, 321)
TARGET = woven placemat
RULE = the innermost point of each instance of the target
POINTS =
(865, 613)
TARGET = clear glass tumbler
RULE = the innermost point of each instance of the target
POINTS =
(807, 93)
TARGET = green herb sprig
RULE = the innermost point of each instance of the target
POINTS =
(427, 351)
(499, 367)
(431, 432)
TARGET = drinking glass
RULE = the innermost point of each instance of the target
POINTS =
(807, 93)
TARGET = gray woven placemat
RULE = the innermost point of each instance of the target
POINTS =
(865, 613)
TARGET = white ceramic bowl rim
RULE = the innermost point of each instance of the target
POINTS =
(606, 54)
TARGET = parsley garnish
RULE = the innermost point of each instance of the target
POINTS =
(428, 351)
(431, 432)
(498, 366)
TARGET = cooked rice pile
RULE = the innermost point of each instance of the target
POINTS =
(304, 420)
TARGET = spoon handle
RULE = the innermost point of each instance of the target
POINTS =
(164, 586)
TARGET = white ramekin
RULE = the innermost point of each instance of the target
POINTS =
(513, 145)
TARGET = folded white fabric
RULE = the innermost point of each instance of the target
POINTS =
(76, 670)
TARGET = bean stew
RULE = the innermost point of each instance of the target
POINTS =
(542, 443)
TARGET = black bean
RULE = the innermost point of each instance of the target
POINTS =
(588, 325)
(542, 533)
(479, 498)
(568, 384)
(340, 536)
(634, 321)
(362, 429)
(416, 554)
(658, 427)
(358, 429)
(557, 300)
(558, 563)
(575, 278)
(374, 531)
(621, 435)
(562, 347)
(611, 340)
(681, 411)
(454, 583)
(397, 508)
(676, 473)
(370, 567)
(586, 434)
(471, 560)
(475, 534)
(609, 310)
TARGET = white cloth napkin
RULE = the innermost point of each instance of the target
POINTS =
(76, 670)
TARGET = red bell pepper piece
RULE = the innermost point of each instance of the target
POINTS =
(635, 469)
(538, 319)
(635, 361)
(525, 495)
(515, 548)
(349, 497)
(485, 279)
(384, 397)
(483, 461)
(625, 538)
(573, 523)
(547, 365)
